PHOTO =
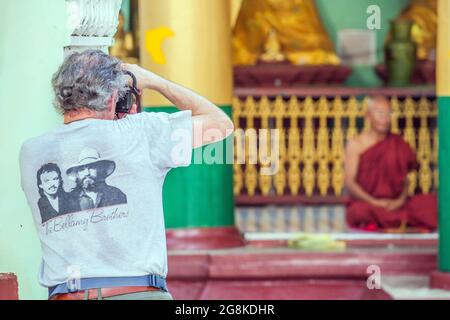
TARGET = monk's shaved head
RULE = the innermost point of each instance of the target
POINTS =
(379, 113)
(375, 102)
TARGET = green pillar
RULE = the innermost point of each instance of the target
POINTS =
(443, 90)
(200, 195)
(444, 183)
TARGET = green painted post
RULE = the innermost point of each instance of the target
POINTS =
(443, 92)
(188, 51)
(444, 183)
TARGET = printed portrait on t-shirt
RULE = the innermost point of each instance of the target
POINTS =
(54, 201)
(91, 190)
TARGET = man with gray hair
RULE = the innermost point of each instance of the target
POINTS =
(116, 238)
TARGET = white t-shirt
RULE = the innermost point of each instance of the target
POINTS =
(95, 191)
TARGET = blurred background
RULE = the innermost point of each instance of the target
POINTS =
(304, 67)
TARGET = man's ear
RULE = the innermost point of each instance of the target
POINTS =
(113, 101)
(134, 109)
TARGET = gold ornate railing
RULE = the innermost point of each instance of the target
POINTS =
(312, 138)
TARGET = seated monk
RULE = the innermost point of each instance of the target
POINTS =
(377, 163)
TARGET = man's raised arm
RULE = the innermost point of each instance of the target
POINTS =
(210, 123)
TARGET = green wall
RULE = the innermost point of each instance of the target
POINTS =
(32, 36)
(351, 14)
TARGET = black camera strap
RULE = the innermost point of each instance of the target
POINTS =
(133, 89)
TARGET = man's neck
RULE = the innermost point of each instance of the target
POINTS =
(82, 114)
(51, 196)
(90, 192)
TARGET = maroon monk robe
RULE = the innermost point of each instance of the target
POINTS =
(382, 171)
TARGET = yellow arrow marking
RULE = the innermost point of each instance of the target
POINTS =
(153, 43)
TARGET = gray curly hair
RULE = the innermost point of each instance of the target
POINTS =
(88, 80)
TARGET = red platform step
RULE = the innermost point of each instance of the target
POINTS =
(249, 273)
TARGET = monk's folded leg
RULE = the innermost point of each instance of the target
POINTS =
(422, 211)
(419, 211)
(359, 214)
(390, 219)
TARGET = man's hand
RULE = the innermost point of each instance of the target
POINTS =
(145, 78)
(380, 203)
(210, 123)
(395, 204)
(388, 204)
(132, 111)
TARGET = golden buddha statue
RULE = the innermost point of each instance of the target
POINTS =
(273, 49)
(424, 31)
(295, 25)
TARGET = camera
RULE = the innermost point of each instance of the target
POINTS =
(131, 97)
